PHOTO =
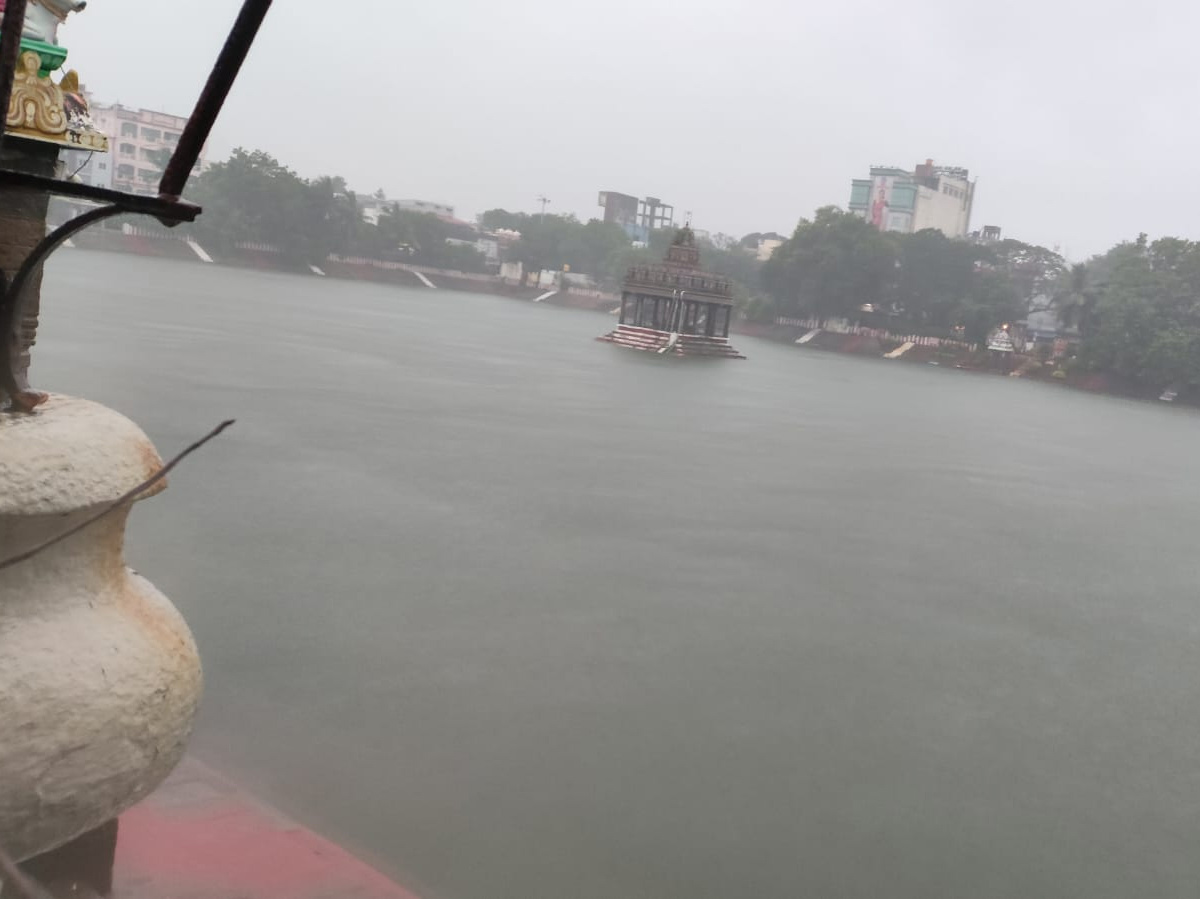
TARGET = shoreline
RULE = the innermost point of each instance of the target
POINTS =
(981, 362)
(141, 243)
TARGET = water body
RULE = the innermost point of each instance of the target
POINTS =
(514, 612)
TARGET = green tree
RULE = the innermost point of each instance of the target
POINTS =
(1075, 299)
(830, 266)
(495, 219)
(1172, 358)
(328, 220)
(423, 238)
(743, 268)
(253, 197)
(553, 241)
(933, 277)
(1034, 271)
(1125, 330)
(1139, 316)
(993, 300)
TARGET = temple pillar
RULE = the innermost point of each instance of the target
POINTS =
(22, 225)
(99, 675)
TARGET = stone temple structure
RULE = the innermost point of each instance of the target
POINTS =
(675, 308)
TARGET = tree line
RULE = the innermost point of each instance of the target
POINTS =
(603, 249)
(253, 198)
(839, 265)
(1135, 309)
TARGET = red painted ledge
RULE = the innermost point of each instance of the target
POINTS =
(200, 835)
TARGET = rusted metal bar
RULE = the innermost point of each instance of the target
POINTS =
(220, 80)
(10, 49)
(172, 211)
(12, 377)
(167, 207)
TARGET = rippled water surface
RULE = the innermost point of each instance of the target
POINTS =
(513, 612)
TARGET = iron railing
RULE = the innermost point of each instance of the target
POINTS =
(168, 207)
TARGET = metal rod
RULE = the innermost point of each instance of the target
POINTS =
(10, 49)
(220, 80)
(167, 211)
(45, 247)
(12, 380)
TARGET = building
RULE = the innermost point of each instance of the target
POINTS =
(930, 196)
(762, 244)
(637, 217)
(990, 234)
(619, 209)
(674, 307)
(139, 143)
(372, 207)
(653, 213)
(486, 246)
(441, 210)
(767, 248)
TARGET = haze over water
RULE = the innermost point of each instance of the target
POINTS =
(513, 612)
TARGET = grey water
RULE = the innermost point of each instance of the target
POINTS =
(512, 612)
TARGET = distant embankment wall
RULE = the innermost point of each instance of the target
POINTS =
(149, 242)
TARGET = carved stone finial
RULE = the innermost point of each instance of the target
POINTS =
(41, 110)
(36, 103)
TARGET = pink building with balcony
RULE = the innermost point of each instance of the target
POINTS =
(137, 139)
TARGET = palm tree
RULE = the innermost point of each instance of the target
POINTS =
(1076, 300)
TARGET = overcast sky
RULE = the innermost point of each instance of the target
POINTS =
(1078, 119)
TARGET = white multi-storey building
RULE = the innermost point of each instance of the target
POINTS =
(929, 197)
(373, 206)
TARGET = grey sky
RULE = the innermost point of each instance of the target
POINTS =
(1077, 118)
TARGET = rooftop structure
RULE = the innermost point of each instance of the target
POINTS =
(441, 210)
(637, 217)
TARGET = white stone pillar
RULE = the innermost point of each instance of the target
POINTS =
(99, 675)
